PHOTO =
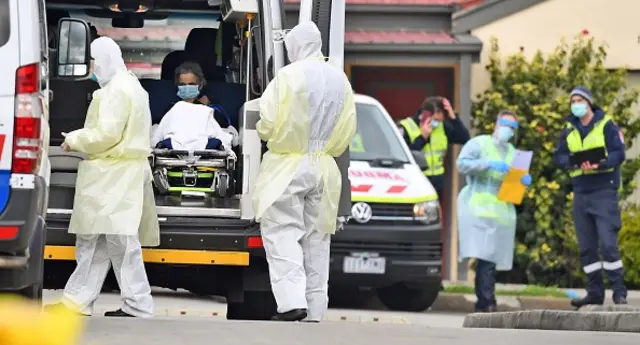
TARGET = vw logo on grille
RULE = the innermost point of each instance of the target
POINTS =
(361, 212)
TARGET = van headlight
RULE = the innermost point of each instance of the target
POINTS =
(427, 212)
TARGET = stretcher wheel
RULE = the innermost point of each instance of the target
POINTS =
(221, 188)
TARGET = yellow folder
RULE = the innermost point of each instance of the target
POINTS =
(512, 190)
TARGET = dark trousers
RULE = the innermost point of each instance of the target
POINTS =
(485, 284)
(437, 181)
(212, 144)
(596, 216)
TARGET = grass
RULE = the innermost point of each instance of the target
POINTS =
(529, 290)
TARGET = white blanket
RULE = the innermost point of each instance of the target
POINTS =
(190, 126)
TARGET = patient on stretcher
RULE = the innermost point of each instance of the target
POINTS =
(191, 123)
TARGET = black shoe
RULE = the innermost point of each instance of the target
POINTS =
(620, 300)
(489, 309)
(291, 315)
(118, 313)
(59, 306)
(588, 300)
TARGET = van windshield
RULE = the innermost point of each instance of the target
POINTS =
(375, 138)
(5, 23)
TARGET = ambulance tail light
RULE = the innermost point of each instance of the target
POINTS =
(254, 242)
(27, 121)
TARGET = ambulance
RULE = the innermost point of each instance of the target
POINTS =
(24, 165)
(392, 241)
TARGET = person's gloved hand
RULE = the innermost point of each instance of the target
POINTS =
(526, 180)
(340, 223)
(499, 166)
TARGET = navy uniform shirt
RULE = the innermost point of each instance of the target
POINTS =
(615, 150)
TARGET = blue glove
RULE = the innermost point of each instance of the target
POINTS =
(526, 180)
(499, 166)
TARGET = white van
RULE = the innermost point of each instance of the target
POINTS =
(392, 243)
(24, 163)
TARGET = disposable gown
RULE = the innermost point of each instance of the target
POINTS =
(307, 117)
(114, 195)
(487, 226)
(301, 119)
(190, 126)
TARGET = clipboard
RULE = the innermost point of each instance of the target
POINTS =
(597, 155)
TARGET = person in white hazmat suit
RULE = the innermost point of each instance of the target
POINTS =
(114, 209)
(307, 117)
(487, 225)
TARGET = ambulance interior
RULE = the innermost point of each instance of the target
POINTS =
(155, 39)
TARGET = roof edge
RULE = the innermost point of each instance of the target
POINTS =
(368, 8)
(473, 48)
(488, 12)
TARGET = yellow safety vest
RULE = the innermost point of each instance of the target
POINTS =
(486, 203)
(356, 144)
(594, 139)
(434, 150)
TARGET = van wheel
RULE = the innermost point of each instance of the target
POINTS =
(402, 298)
(257, 305)
(33, 292)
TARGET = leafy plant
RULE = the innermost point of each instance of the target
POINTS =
(537, 89)
(629, 238)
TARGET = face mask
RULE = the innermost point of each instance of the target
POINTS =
(435, 123)
(188, 91)
(504, 134)
(579, 109)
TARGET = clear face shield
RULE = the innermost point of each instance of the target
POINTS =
(506, 129)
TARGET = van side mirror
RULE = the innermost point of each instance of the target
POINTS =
(420, 159)
(74, 49)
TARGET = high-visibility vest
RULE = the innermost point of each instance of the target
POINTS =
(486, 203)
(594, 139)
(356, 144)
(435, 150)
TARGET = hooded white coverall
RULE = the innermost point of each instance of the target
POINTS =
(114, 209)
(307, 117)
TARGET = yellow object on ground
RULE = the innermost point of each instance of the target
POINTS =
(23, 322)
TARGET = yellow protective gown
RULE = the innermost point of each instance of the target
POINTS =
(286, 106)
(307, 117)
(114, 194)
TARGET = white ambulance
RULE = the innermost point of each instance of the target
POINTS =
(24, 131)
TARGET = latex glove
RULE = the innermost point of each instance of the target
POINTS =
(499, 166)
(526, 180)
(340, 223)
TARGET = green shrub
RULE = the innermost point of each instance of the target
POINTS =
(629, 238)
(538, 90)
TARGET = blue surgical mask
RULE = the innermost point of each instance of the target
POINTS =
(188, 91)
(93, 77)
(504, 134)
(579, 109)
(435, 123)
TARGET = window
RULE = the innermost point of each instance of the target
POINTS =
(5, 22)
(375, 137)
(144, 49)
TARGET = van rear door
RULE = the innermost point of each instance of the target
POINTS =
(10, 58)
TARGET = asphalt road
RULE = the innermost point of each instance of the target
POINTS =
(188, 319)
(195, 331)
(186, 305)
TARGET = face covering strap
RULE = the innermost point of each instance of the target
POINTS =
(508, 123)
